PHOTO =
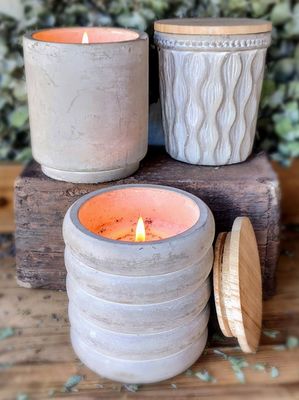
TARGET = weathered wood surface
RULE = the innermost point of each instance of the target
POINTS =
(39, 359)
(8, 174)
(248, 189)
(289, 181)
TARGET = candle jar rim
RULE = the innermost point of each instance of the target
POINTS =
(198, 224)
(136, 35)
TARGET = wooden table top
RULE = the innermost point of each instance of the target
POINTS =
(37, 359)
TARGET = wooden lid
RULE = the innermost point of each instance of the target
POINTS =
(212, 26)
(238, 285)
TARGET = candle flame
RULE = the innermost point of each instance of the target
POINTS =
(85, 39)
(140, 231)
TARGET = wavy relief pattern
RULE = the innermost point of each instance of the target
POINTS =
(210, 103)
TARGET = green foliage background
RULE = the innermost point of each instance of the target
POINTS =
(278, 125)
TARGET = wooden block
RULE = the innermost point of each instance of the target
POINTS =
(248, 189)
(8, 174)
(289, 181)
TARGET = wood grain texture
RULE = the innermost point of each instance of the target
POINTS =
(8, 174)
(41, 359)
(237, 285)
(289, 181)
(212, 26)
(248, 189)
(217, 285)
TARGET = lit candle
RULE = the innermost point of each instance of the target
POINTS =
(73, 92)
(85, 39)
(138, 259)
(141, 214)
(140, 231)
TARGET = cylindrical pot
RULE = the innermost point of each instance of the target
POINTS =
(88, 102)
(138, 310)
(211, 74)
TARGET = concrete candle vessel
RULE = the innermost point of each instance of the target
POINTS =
(88, 103)
(138, 310)
(211, 74)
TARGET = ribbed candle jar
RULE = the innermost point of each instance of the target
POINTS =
(211, 75)
(138, 310)
(88, 102)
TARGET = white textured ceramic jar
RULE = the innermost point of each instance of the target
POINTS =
(88, 102)
(138, 310)
(211, 75)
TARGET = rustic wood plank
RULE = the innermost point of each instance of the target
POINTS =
(289, 181)
(247, 189)
(8, 174)
(42, 360)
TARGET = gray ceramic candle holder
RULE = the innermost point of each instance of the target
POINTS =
(211, 74)
(88, 103)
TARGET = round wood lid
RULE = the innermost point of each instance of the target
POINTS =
(238, 285)
(212, 26)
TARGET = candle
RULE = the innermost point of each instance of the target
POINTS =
(138, 259)
(140, 234)
(88, 101)
(138, 214)
(85, 39)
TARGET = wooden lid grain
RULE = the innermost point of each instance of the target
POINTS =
(212, 26)
(238, 285)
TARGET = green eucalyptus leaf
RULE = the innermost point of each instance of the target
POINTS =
(268, 88)
(271, 333)
(291, 110)
(236, 5)
(5, 80)
(19, 91)
(6, 333)
(240, 375)
(284, 69)
(283, 126)
(277, 98)
(22, 396)
(281, 13)
(260, 8)
(4, 153)
(76, 9)
(274, 372)
(293, 90)
(131, 387)
(292, 342)
(292, 27)
(259, 366)
(205, 376)
(132, 20)
(148, 14)
(289, 149)
(24, 155)
(2, 102)
(3, 48)
(19, 117)
(72, 381)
